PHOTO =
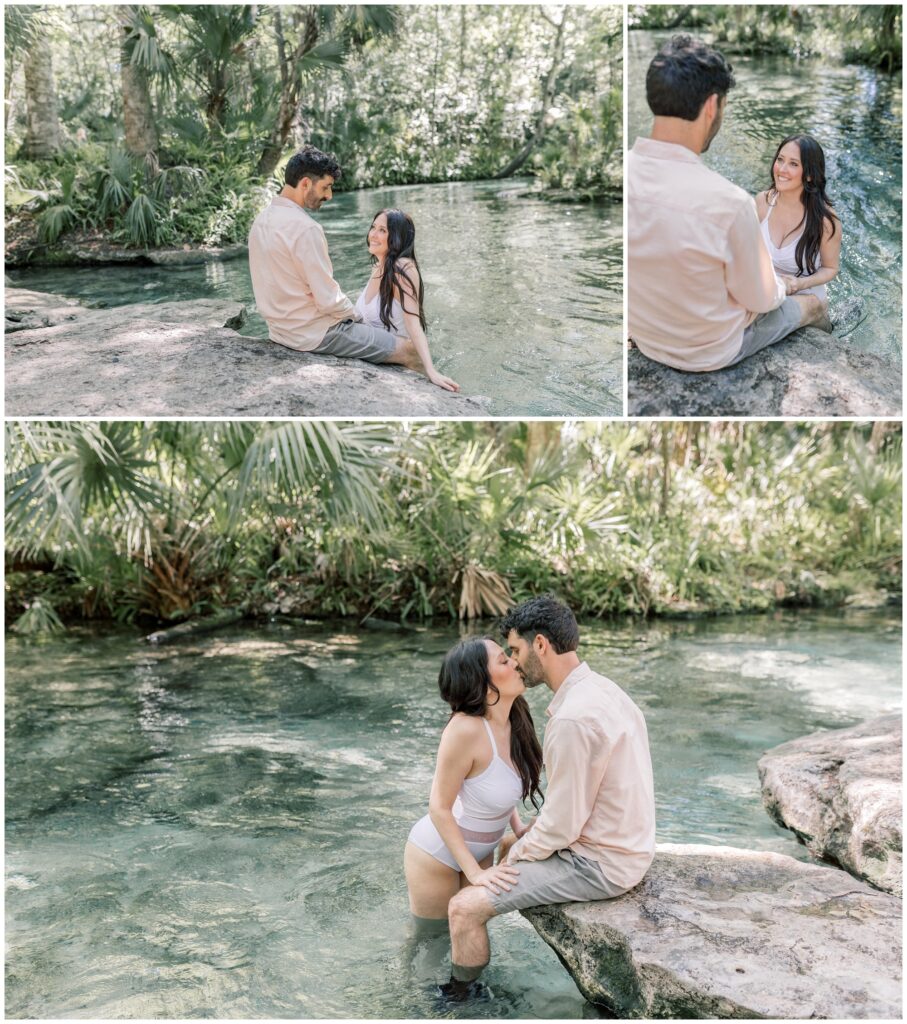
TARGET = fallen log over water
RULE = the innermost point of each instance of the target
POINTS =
(194, 627)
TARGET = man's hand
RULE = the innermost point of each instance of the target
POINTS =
(443, 382)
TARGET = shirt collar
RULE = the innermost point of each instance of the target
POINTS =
(581, 671)
(283, 201)
(657, 150)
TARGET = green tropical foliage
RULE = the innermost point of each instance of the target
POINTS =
(163, 521)
(415, 93)
(870, 35)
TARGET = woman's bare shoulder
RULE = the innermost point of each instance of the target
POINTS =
(762, 203)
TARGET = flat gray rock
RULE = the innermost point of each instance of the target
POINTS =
(178, 359)
(719, 932)
(809, 374)
(840, 792)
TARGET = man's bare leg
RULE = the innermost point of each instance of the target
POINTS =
(468, 913)
(813, 312)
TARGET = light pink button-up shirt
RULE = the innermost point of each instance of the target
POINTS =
(292, 276)
(699, 272)
(599, 801)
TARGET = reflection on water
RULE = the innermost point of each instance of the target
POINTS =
(523, 297)
(856, 114)
(216, 828)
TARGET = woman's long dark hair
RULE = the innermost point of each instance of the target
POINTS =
(464, 683)
(816, 204)
(401, 245)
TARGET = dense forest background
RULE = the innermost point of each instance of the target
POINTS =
(861, 35)
(169, 520)
(161, 125)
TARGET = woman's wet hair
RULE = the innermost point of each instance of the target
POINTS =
(401, 246)
(464, 682)
(817, 206)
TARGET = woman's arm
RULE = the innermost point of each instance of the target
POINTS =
(407, 292)
(830, 254)
(456, 756)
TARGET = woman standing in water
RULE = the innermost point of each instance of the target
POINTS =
(393, 295)
(801, 231)
(489, 758)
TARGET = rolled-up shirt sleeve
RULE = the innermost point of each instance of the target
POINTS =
(750, 276)
(576, 759)
(312, 263)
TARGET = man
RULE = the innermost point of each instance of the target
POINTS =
(702, 290)
(595, 836)
(293, 279)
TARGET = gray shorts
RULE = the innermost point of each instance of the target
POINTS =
(768, 328)
(563, 878)
(351, 339)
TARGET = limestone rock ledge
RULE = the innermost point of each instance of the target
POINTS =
(809, 374)
(179, 359)
(840, 792)
(721, 932)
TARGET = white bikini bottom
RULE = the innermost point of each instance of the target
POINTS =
(480, 844)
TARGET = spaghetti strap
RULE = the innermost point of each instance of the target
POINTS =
(494, 746)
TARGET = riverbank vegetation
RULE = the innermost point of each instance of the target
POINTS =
(169, 125)
(860, 35)
(157, 522)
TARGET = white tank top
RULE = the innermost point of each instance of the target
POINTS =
(485, 801)
(370, 311)
(784, 260)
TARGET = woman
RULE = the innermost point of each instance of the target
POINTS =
(488, 759)
(800, 229)
(392, 297)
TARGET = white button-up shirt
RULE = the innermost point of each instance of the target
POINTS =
(599, 799)
(699, 272)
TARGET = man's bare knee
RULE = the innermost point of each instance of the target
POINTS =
(469, 905)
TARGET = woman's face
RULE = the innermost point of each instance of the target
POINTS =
(503, 672)
(377, 237)
(788, 169)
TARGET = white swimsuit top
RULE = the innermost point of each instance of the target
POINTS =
(784, 260)
(485, 801)
(371, 313)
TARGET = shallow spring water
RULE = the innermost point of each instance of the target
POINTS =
(522, 296)
(215, 829)
(856, 114)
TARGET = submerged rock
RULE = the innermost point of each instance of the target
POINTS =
(840, 792)
(809, 374)
(179, 359)
(719, 932)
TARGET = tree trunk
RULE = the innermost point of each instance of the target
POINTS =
(43, 138)
(290, 90)
(538, 134)
(138, 113)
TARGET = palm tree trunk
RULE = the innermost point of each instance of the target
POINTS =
(43, 138)
(138, 112)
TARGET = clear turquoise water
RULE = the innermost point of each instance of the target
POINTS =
(215, 829)
(856, 114)
(523, 297)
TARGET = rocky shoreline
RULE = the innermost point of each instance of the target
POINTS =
(730, 933)
(188, 359)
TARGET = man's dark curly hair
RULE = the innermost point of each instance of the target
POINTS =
(545, 615)
(310, 162)
(682, 76)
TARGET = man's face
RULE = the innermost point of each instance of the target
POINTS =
(317, 192)
(528, 664)
(715, 126)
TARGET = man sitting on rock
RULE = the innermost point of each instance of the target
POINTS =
(595, 836)
(293, 279)
(702, 290)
